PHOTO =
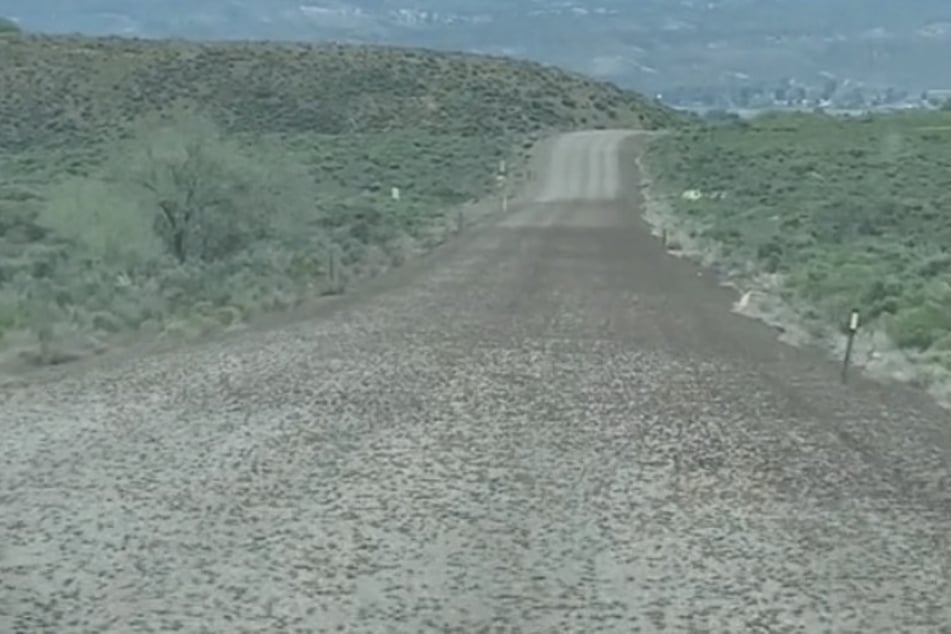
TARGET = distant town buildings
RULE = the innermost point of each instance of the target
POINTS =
(827, 94)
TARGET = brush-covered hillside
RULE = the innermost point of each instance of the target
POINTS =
(172, 188)
(59, 90)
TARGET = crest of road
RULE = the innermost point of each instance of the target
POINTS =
(550, 425)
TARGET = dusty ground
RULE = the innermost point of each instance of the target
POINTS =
(553, 426)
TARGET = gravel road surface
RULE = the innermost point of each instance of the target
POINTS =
(551, 426)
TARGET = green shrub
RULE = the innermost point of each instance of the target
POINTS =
(103, 219)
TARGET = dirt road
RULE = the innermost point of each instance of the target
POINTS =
(551, 427)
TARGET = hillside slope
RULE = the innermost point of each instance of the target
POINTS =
(173, 187)
(73, 88)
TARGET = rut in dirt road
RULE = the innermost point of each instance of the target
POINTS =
(551, 427)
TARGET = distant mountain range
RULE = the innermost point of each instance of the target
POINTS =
(651, 45)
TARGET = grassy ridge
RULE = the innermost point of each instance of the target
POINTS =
(849, 212)
(174, 188)
(60, 89)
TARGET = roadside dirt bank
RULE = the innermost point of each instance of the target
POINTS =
(760, 296)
